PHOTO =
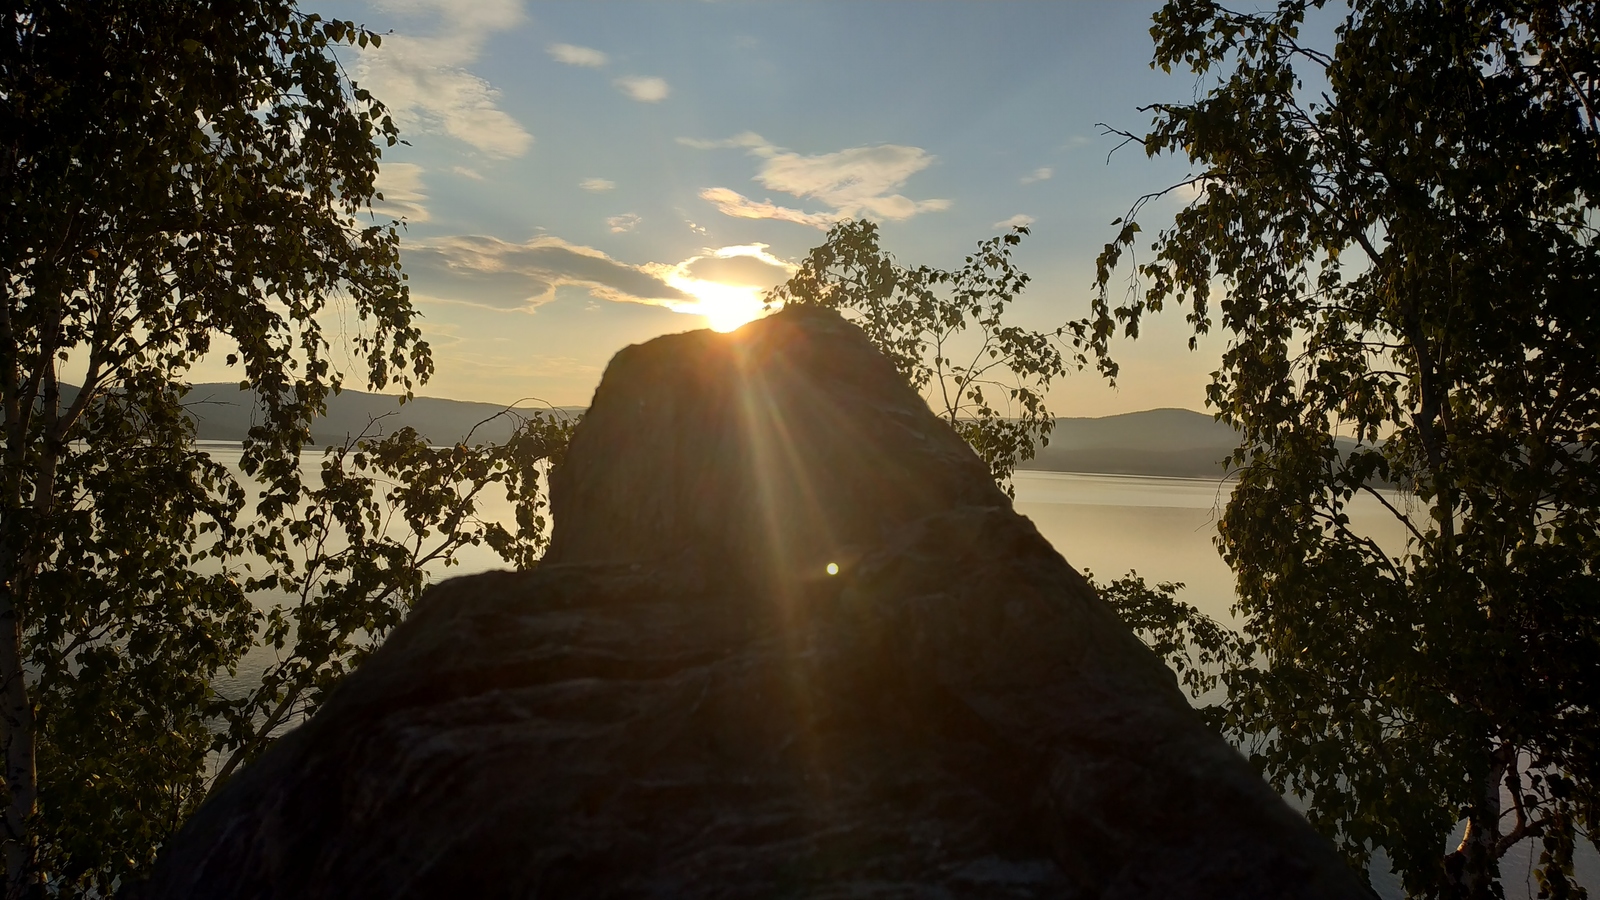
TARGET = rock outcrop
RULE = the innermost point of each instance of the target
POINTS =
(681, 701)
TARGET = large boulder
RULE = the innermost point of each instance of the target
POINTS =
(681, 701)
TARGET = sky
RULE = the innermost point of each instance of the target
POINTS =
(578, 177)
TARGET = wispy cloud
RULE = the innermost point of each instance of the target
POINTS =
(855, 182)
(424, 80)
(644, 90)
(486, 271)
(732, 203)
(741, 265)
(403, 192)
(465, 172)
(1017, 221)
(1043, 173)
(597, 184)
(747, 139)
(573, 55)
(624, 223)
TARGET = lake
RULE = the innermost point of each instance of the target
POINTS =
(1162, 528)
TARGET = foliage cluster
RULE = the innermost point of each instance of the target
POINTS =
(1396, 233)
(1395, 228)
(1200, 650)
(184, 179)
(946, 333)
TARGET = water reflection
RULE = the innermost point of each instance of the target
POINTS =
(1111, 524)
(1163, 528)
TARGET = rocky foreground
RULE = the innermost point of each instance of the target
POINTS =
(681, 701)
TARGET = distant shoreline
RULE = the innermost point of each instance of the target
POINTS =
(1161, 443)
(1179, 472)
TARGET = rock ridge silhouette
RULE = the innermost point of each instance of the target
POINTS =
(681, 701)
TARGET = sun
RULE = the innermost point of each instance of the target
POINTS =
(725, 306)
(727, 284)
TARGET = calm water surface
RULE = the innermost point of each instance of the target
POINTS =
(1163, 528)
(1111, 524)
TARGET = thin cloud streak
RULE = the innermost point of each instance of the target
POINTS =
(624, 223)
(732, 203)
(856, 182)
(481, 270)
(403, 192)
(425, 83)
(644, 90)
(573, 55)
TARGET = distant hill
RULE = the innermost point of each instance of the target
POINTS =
(1171, 442)
(1175, 443)
(223, 412)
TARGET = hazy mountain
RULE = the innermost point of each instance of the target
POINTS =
(223, 412)
(1171, 442)
(1168, 442)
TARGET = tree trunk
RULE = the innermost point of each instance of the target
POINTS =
(16, 707)
(19, 544)
(16, 735)
(1471, 869)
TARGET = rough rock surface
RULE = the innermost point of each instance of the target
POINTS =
(681, 702)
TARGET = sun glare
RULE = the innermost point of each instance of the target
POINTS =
(725, 306)
(725, 302)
